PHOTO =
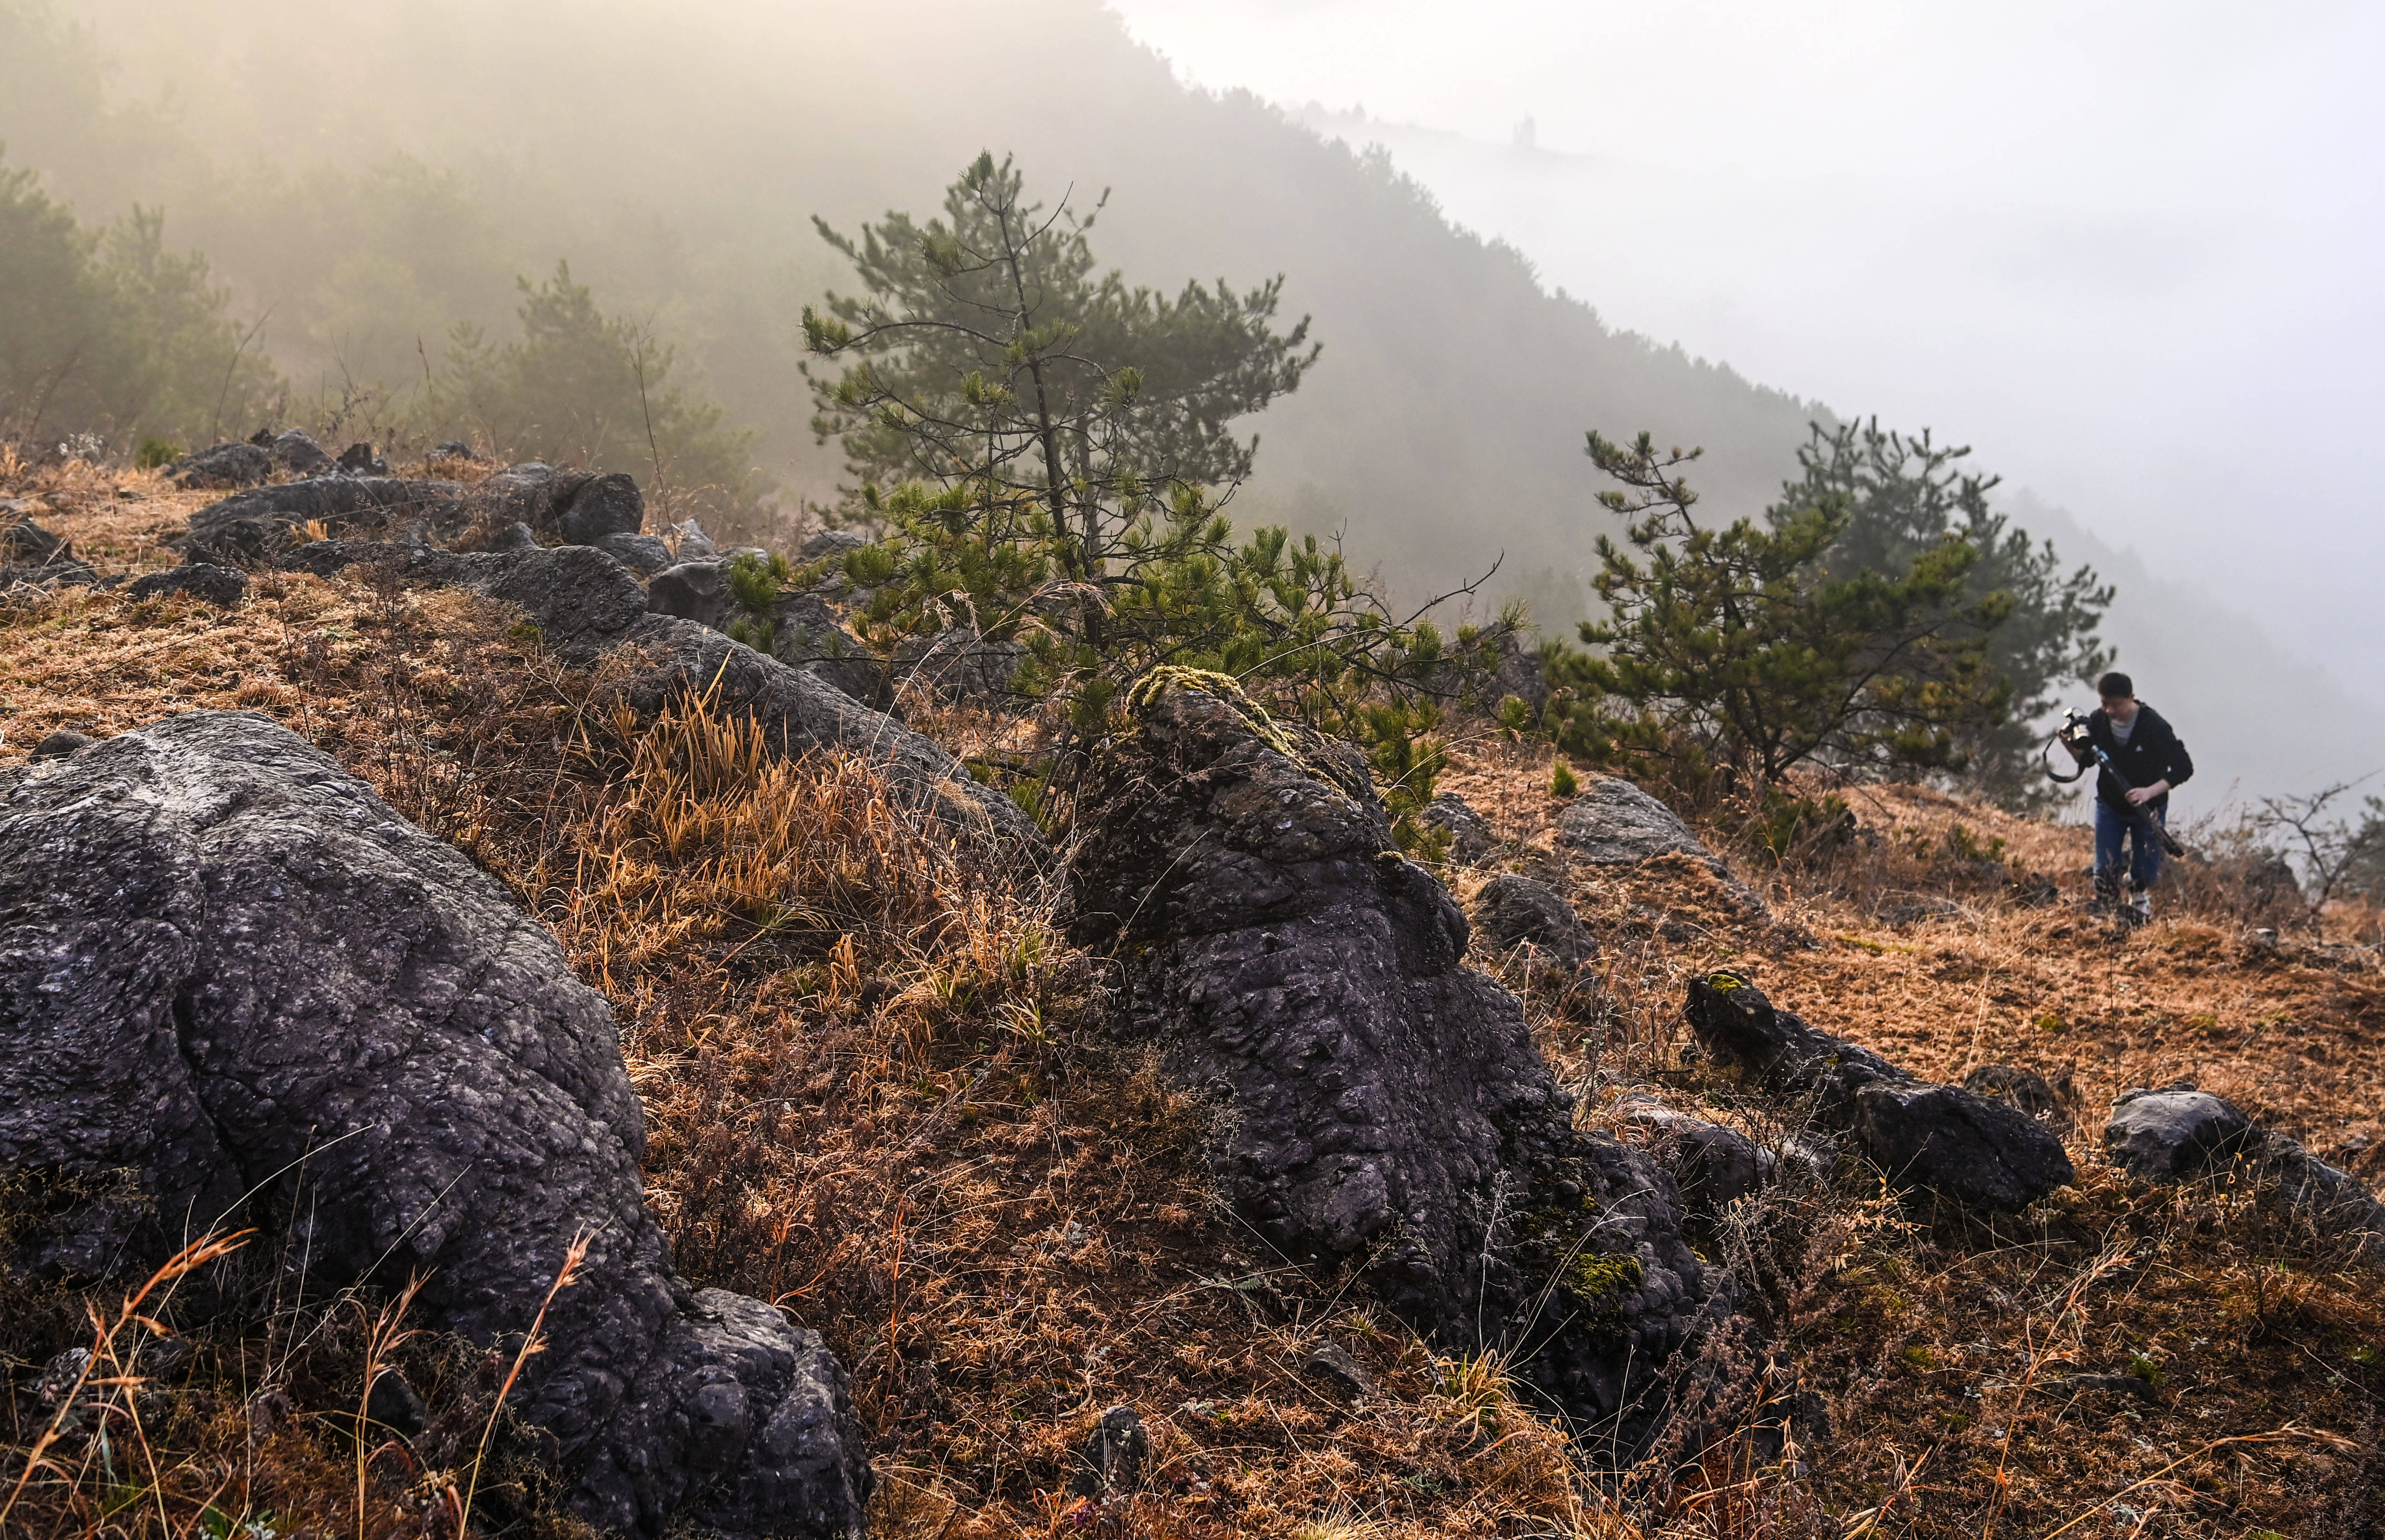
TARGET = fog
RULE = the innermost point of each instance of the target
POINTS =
(2130, 252)
(2127, 254)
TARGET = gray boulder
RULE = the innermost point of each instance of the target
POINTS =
(696, 591)
(228, 465)
(1513, 913)
(299, 453)
(230, 976)
(1612, 822)
(1968, 1148)
(644, 554)
(1383, 1111)
(807, 634)
(2173, 1133)
(220, 586)
(832, 542)
(587, 605)
(1470, 835)
(602, 506)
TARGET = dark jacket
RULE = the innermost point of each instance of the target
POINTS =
(2153, 753)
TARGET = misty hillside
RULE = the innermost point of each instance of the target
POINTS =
(418, 162)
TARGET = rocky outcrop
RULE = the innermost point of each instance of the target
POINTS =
(1516, 912)
(585, 605)
(1968, 1148)
(1385, 1111)
(231, 974)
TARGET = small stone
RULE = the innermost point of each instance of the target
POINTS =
(1470, 835)
(516, 535)
(1111, 1461)
(1333, 1363)
(1513, 913)
(220, 586)
(59, 745)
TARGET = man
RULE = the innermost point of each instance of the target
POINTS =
(2129, 817)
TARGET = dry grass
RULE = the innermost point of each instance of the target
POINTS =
(881, 1091)
(1942, 1342)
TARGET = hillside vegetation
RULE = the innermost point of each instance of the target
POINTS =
(903, 1110)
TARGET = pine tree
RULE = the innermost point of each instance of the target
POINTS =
(1907, 497)
(1049, 450)
(1739, 650)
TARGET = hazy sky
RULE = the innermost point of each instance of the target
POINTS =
(2132, 252)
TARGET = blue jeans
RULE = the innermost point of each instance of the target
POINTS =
(2113, 829)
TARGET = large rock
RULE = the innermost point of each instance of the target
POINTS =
(1972, 1148)
(1513, 912)
(586, 605)
(2173, 1133)
(231, 974)
(1384, 1110)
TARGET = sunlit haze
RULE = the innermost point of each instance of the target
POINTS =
(2128, 252)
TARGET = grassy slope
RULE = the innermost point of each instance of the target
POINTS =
(880, 1090)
